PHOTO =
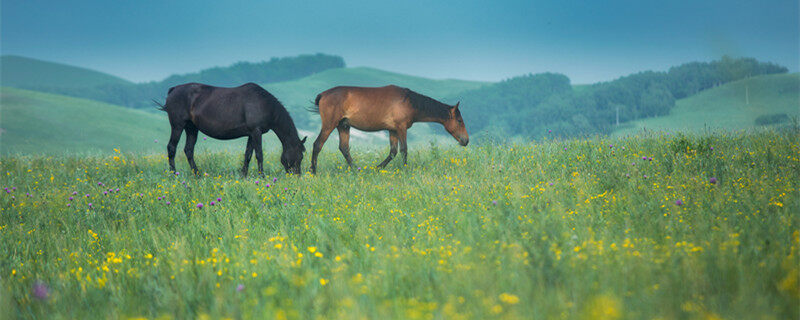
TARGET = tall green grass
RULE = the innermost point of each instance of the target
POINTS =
(546, 229)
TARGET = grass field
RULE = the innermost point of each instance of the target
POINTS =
(726, 107)
(548, 229)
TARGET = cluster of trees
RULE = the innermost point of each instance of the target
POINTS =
(531, 105)
(140, 95)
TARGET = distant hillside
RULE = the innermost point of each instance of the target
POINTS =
(51, 77)
(21, 72)
(725, 107)
(36, 122)
(274, 70)
(298, 93)
(547, 105)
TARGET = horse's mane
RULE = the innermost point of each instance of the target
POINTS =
(427, 105)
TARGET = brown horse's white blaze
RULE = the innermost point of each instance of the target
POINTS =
(389, 108)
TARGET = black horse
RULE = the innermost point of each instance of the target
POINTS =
(230, 113)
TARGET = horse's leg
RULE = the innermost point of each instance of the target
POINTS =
(401, 135)
(172, 145)
(256, 137)
(191, 139)
(248, 153)
(392, 148)
(321, 138)
(344, 143)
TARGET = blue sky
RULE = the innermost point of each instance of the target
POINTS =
(588, 41)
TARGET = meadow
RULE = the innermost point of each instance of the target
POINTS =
(657, 226)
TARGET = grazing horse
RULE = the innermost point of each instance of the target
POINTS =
(230, 113)
(385, 108)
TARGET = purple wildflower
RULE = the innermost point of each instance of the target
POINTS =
(68, 204)
(267, 185)
(551, 184)
(70, 198)
(99, 183)
(644, 158)
(219, 199)
(168, 203)
(105, 192)
(285, 189)
(74, 193)
(274, 180)
(40, 290)
(712, 180)
(678, 202)
(549, 131)
(494, 202)
(239, 288)
(116, 190)
(87, 195)
(90, 205)
(200, 205)
(256, 181)
(211, 203)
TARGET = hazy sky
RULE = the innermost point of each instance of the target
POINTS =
(482, 40)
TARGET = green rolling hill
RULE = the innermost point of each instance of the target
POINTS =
(725, 107)
(42, 123)
(21, 72)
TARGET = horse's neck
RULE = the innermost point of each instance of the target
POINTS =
(423, 116)
(286, 132)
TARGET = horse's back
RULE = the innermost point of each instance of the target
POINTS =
(226, 113)
(365, 108)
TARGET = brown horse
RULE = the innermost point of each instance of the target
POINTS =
(385, 108)
(230, 113)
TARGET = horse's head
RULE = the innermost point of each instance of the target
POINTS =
(455, 126)
(292, 157)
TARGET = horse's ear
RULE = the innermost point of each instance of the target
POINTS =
(304, 139)
(456, 106)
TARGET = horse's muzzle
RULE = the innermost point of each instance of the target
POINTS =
(463, 141)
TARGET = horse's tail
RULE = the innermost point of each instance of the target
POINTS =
(160, 106)
(315, 108)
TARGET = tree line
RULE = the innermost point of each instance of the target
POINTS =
(534, 105)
